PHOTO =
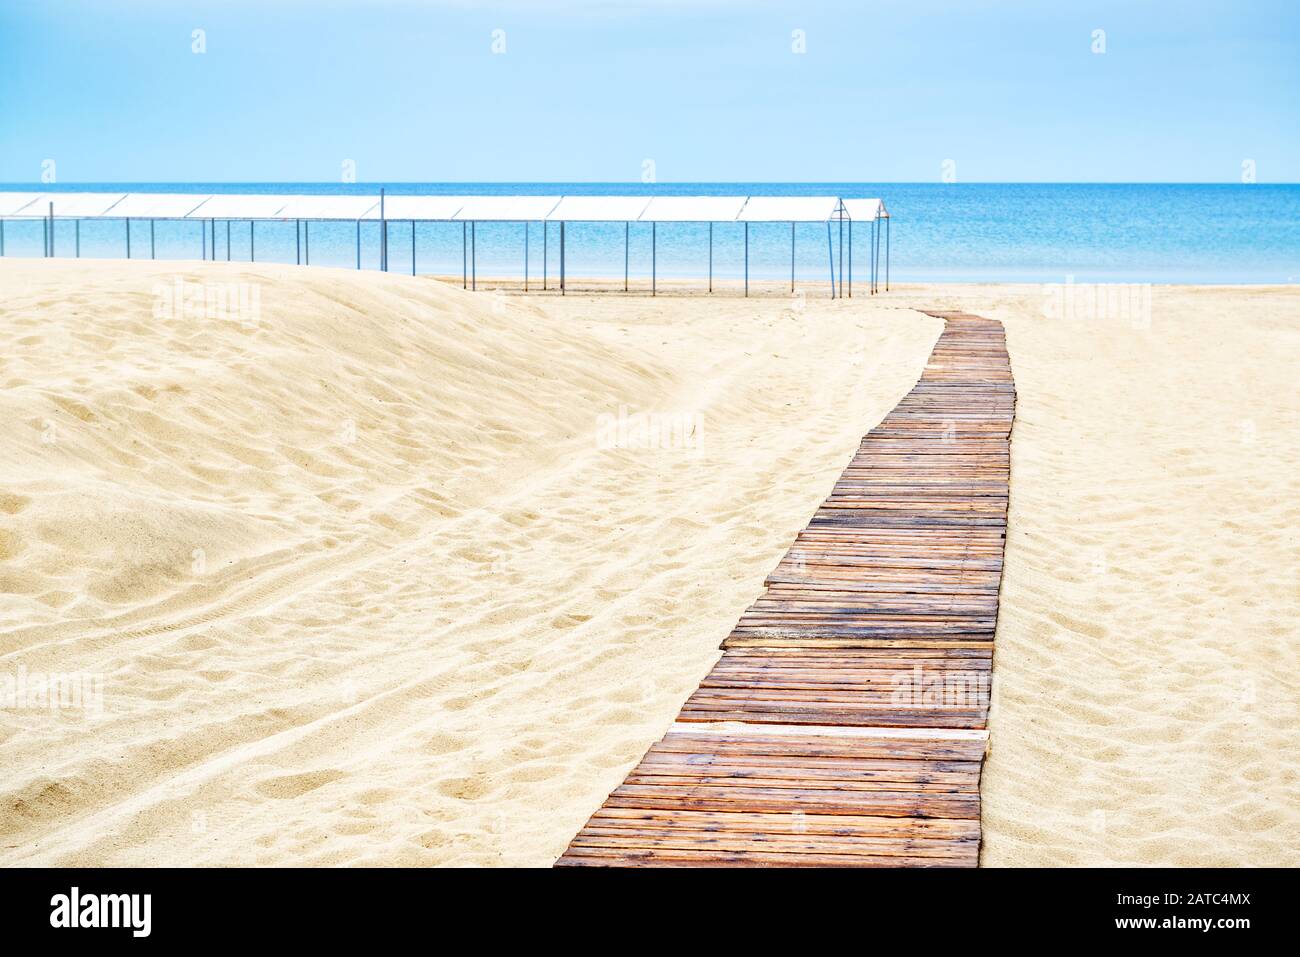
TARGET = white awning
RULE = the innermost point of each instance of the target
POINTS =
(507, 208)
(693, 209)
(151, 205)
(789, 209)
(241, 206)
(599, 209)
(81, 205)
(328, 207)
(419, 208)
(700, 209)
(864, 210)
(13, 204)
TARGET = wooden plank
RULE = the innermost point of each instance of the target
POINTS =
(844, 724)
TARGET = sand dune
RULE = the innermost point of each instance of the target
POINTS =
(359, 581)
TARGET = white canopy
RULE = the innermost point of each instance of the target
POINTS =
(507, 208)
(76, 204)
(241, 206)
(701, 209)
(11, 204)
(419, 207)
(864, 210)
(147, 206)
(599, 209)
(789, 209)
(328, 207)
(693, 209)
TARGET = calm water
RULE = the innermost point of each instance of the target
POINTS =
(953, 232)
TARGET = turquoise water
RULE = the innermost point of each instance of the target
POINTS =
(940, 232)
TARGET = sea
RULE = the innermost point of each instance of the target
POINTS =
(938, 232)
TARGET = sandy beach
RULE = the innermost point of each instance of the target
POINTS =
(378, 571)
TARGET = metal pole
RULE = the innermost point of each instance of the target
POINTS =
(252, 243)
(412, 247)
(654, 257)
(358, 244)
(746, 258)
(227, 240)
(887, 218)
(875, 255)
(710, 257)
(546, 232)
(2, 237)
(464, 255)
(128, 237)
(525, 255)
(850, 259)
(383, 235)
(562, 287)
(297, 241)
(792, 257)
(473, 255)
(627, 229)
(841, 252)
(152, 247)
(203, 231)
(871, 261)
(79, 239)
(830, 254)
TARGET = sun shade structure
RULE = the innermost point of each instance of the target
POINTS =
(599, 209)
(147, 206)
(864, 210)
(422, 208)
(84, 205)
(792, 210)
(871, 212)
(327, 207)
(694, 209)
(12, 204)
(507, 209)
(789, 209)
(234, 206)
(303, 209)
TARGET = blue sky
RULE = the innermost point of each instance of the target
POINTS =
(590, 89)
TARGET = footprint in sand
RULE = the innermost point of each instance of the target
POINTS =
(12, 503)
(295, 785)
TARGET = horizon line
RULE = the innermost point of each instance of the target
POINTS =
(54, 187)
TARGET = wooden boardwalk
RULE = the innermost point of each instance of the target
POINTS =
(845, 724)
